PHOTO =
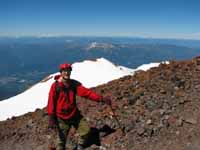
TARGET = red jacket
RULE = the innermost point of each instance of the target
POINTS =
(66, 99)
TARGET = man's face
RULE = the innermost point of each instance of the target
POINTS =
(66, 74)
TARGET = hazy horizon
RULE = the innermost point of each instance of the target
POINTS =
(172, 19)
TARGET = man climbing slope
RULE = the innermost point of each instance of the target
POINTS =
(62, 108)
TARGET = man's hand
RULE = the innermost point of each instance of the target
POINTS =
(107, 100)
(52, 122)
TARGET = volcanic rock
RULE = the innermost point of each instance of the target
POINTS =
(158, 110)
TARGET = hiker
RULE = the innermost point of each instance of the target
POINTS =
(62, 108)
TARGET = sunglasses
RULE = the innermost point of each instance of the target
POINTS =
(66, 70)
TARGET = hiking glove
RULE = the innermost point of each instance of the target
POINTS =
(52, 122)
(107, 100)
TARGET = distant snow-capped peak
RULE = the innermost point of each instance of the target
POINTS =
(95, 45)
(100, 70)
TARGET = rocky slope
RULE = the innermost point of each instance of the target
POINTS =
(157, 109)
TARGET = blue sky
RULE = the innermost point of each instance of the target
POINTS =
(136, 18)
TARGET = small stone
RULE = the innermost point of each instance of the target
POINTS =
(140, 131)
(197, 87)
(149, 122)
(125, 107)
(102, 148)
(151, 105)
(162, 112)
(132, 99)
(148, 132)
(179, 122)
(177, 132)
(162, 91)
(176, 88)
(129, 127)
(182, 101)
(30, 121)
(166, 117)
(190, 121)
(171, 120)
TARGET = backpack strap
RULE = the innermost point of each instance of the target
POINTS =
(57, 89)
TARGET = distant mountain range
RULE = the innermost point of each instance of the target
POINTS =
(32, 58)
(44, 54)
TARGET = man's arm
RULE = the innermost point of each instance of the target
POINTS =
(51, 101)
(51, 107)
(87, 93)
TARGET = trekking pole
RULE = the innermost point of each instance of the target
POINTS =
(117, 120)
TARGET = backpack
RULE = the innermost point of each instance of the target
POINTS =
(59, 89)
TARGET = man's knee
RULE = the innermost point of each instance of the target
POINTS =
(84, 128)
